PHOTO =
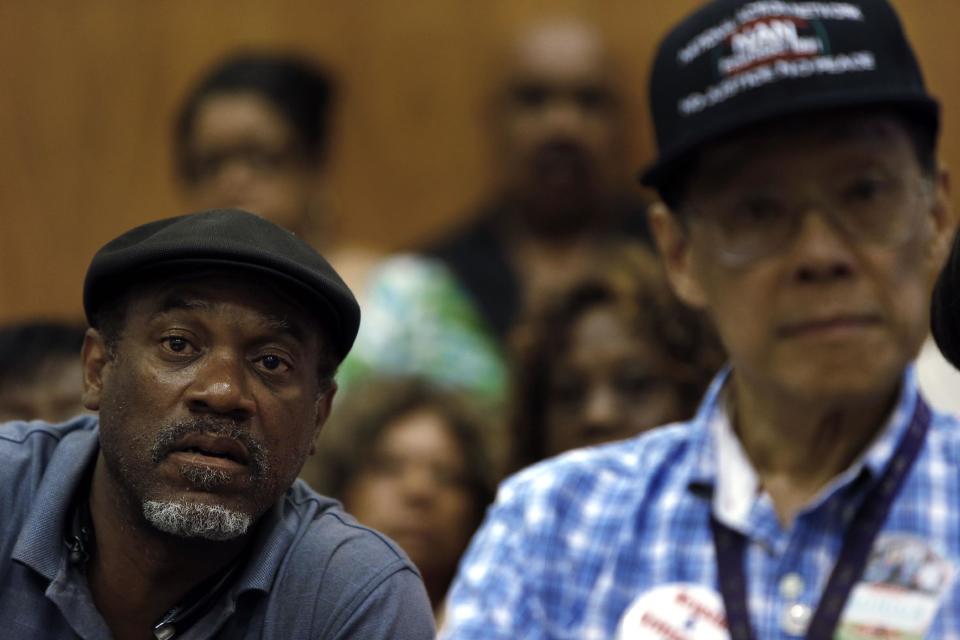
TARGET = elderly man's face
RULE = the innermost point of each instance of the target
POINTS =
(559, 123)
(210, 404)
(812, 246)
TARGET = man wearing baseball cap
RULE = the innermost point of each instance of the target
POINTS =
(177, 513)
(814, 494)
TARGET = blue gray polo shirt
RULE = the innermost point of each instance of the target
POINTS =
(313, 572)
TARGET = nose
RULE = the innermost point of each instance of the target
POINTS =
(823, 252)
(221, 387)
(418, 485)
(233, 181)
(564, 116)
(601, 412)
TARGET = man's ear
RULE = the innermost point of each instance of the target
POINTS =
(95, 358)
(673, 242)
(324, 405)
(943, 220)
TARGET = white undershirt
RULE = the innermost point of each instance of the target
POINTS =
(737, 484)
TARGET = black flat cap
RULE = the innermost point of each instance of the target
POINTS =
(224, 238)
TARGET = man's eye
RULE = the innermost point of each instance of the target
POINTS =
(177, 344)
(567, 391)
(751, 215)
(274, 363)
(529, 95)
(865, 190)
(635, 384)
(761, 209)
(593, 98)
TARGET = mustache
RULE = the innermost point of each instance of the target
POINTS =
(164, 442)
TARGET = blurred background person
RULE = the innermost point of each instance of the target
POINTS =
(408, 157)
(557, 123)
(614, 355)
(409, 460)
(254, 133)
(40, 376)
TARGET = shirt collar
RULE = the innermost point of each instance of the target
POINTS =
(704, 468)
(265, 552)
(723, 470)
(40, 543)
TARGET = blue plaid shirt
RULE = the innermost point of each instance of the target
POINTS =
(573, 541)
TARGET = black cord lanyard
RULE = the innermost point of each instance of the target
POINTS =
(79, 541)
(195, 605)
(730, 546)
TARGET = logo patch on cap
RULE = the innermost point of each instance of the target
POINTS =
(767, 41)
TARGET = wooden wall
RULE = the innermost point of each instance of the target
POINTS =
(88, 89)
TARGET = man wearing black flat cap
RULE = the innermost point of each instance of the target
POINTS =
(814, 495)
(177, 514)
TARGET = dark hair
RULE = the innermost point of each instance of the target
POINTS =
(673, 186)
(370, 408)
(633, 282)
(297, 89)
(26, 347)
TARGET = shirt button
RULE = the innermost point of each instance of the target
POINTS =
(791, 587)
(796, 618)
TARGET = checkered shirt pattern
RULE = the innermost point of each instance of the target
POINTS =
(573, 541)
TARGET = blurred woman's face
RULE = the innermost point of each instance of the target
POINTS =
(608, 385)
(414, 489)
(245, 155)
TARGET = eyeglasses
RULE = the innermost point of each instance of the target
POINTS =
(261, 160)
(749, 224)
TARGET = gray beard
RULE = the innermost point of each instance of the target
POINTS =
(192, 520)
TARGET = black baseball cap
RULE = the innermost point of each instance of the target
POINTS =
(738, 63)
(229, 239)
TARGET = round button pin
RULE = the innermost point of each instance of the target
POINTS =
(675, 611)
(796, 619)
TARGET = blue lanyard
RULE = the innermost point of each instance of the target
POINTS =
(730, 546)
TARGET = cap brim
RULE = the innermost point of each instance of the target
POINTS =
(925, 109)
(322, 308)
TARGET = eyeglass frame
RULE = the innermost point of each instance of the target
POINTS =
(918, 189)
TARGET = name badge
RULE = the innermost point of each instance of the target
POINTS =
(675, 612)
(900, 592)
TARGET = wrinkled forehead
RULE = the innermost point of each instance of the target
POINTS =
(260, 299)
(559, 52)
